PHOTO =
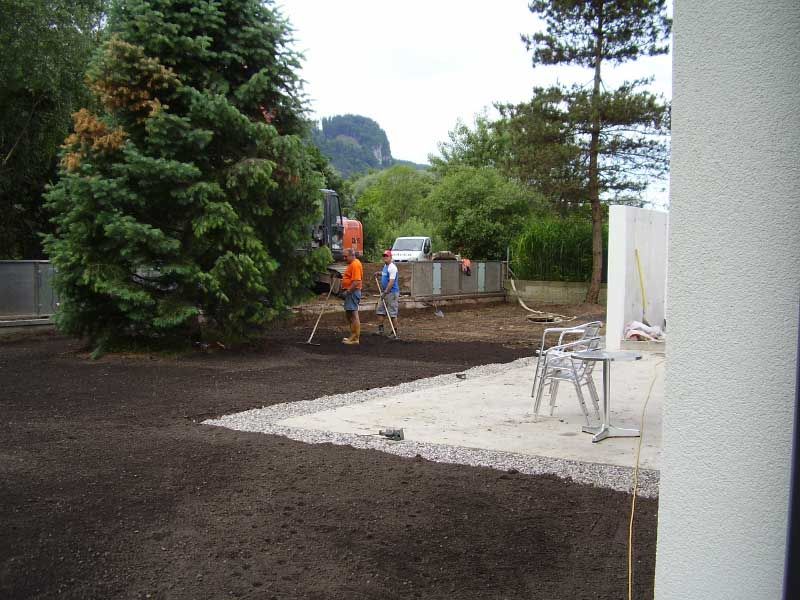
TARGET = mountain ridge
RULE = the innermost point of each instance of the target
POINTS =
(355, 145)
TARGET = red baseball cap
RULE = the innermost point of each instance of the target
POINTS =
(387, 252)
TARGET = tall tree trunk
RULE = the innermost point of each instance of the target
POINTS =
(593, 294)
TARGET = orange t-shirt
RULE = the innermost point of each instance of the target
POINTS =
(353, 272)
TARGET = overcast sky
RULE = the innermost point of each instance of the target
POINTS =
(417, 66)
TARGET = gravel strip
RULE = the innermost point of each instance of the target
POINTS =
(266, 419)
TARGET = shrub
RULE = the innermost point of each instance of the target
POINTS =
(184, 201)
(479, 211)
(555, 249)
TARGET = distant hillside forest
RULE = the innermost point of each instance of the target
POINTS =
(355, 145)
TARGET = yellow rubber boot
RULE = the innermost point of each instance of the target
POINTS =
(355, 330)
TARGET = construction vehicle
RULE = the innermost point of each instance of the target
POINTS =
(336, 231)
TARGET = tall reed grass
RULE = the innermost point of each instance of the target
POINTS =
(555, 249)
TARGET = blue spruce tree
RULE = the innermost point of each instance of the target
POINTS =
(190, 191)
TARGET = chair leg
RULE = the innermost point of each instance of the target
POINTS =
(538, 401)
(537, 375)
(582, 402)
(593, 395)
(553, 394)
(538, 385)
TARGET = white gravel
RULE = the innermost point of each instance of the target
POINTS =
(266, 419)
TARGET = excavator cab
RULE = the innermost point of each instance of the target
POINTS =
(332, 219)
(336, 231)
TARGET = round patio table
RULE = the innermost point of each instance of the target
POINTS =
(606, 429)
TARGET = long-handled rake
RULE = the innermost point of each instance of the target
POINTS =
(386, 308)
(319, 318)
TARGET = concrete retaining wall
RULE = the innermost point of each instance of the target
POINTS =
(551, 292)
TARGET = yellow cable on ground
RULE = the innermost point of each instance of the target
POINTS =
(636, 482)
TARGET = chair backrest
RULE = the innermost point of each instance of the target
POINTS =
(587, 366)
(576, 332)
(585, 331)
(556, 355)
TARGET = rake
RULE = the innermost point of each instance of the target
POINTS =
(319, 318)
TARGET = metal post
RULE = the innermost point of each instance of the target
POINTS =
(37, 292)
(437, 278)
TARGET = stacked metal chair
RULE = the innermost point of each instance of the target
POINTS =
(555, 365)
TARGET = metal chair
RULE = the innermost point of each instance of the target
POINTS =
(555, 365)
(565, 334)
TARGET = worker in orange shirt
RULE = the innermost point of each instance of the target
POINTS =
(351, 285)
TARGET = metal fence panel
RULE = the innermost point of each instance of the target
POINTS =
(422, 279)
(445, 278)
(451, 278)
(469, 283)
(48, 300)
(26, 289)
(17, 289)
(493, 281)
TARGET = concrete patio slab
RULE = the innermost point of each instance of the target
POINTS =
(493, 412)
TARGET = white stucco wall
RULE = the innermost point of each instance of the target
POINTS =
(631, 229)
(734, 269)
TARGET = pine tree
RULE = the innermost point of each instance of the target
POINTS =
(186, 199)
(618, 131)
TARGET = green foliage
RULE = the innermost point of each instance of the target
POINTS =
(184, 202)
(586, 33)
(332, 180)
(484, 145)
(551, 152)
(393, 203)
(410, 163)
(46, 47)
(354, 144)
(545, 153)
(618, 134)
(479, 211)
(554, 249)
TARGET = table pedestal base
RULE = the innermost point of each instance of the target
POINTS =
(602, 432)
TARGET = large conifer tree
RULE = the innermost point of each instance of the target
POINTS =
(611, 140)
(193, 189)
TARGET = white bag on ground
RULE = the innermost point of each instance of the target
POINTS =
(636, 330)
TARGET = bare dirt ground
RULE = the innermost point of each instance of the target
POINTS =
(111, 488)
(505, 324)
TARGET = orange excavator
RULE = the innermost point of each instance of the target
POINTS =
(336, 231)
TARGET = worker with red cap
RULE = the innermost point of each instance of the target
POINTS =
(390, 292)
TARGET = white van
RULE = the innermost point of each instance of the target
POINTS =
(411, 249)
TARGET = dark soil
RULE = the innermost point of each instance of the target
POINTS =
(500, 323)
(110, 488)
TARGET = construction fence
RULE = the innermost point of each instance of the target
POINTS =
(26, 290)
(447, 278)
